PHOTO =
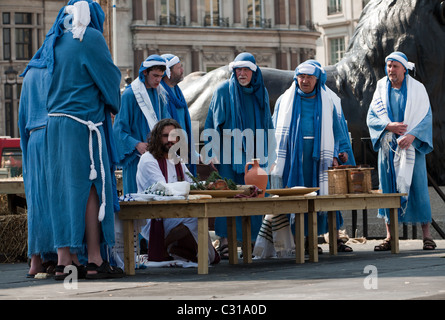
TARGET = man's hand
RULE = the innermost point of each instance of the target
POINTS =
(398, 128)
(406, 141)
(141, 147)
(343, 156)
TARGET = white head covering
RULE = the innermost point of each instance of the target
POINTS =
(81, 18)
(400, 57)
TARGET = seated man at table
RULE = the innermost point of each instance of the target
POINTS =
(172, 237)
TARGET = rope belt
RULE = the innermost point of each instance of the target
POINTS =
(35, 129)
(93, 173)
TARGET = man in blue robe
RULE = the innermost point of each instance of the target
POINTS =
(310, 136)
(177, 106)
(242, 103)
(83, 90)
(400, 127)
(33, 118)
(141, 108)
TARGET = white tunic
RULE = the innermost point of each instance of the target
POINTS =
(149, 173)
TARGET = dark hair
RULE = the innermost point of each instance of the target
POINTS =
(155, 137)
(156, 67)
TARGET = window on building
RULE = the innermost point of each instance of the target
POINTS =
(334, 7)
(212, 13)
(18, 30)
(23, 36)
(6, 43)
(23, 43)
(254, 13)
(337, 50)
(11, 109)
(170, 13)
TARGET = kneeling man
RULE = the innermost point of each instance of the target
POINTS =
(158, 165)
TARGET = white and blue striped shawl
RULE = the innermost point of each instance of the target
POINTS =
(327, 142)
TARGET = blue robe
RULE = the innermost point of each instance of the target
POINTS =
(33, 118)
(85, 84)
(178, 109)
(309, 176)
(418, 207)
(131, 127)
(219, 118)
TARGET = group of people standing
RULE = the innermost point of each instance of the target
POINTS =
(71, 148)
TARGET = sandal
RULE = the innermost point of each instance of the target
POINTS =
(223, 252)
(342, 247)
(429, 244)
(384, 246)
(306, 248)
(81, 272)
(104, 271)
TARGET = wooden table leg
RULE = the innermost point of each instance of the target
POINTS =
(128, 226)
(332, 225)
(312, 234)
(299, 237)
(231, 239)
(247, 239)
(203, 246)
(394, 229)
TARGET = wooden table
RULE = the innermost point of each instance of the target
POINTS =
(360, 201)
(219, 207)
(247, 207)
(15, 191)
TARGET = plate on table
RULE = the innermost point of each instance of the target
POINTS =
(217, 193)
(291, 191)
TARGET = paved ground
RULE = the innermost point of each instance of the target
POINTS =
(363, 274)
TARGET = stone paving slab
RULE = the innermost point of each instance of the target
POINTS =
(361, 275)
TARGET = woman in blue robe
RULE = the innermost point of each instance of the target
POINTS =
(33, 118)
(234, 106)
(83, 90)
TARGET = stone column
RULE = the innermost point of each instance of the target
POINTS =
(151, 14)
(237, 13)
(194, 12)
(196, 58)
(137, 9)
(302, 13)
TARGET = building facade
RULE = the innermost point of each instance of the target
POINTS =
(205, 34)
(336, 21)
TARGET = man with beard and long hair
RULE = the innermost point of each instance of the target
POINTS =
(161, 164)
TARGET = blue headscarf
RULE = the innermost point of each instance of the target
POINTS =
(44, 57)
(247, 60)
(151, 61)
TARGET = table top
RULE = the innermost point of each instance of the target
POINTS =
(230, 207)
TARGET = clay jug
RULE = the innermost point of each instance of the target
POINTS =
(256, 176)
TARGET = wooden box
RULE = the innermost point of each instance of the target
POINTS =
(337, 181)
(349, 179)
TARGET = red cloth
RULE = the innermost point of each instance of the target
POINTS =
(156, 249)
